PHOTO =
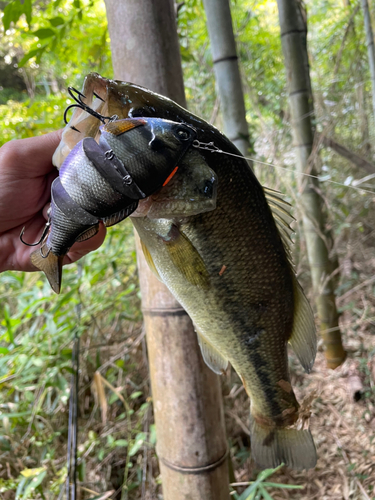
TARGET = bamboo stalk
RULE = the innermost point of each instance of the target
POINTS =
(227, 73)
(370, 48)
(191, 443)
(294, 43)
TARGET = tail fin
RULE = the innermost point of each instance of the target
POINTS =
(272, 446)
(50, 265)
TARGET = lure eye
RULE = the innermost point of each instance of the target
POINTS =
(183, 134)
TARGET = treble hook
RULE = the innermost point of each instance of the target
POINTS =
(45, 231)
(80, 104)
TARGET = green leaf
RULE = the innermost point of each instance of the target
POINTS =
(14, 415)
(20, 487)
(137, 443)
(264, 492)
(44, 33)
(8, 323)
(34, 483)
(121, 442)
(245, 495)
(282, 485)
(136, 394)
(11, 14)
(14, 10)
(4, 350)
(29, 55)
(153, 436)
(249, 493)
(27, 11)
(56, 21)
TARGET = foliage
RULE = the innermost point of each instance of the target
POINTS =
(35, 365)
(257, 489)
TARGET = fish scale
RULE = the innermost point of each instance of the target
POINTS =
(85, 185)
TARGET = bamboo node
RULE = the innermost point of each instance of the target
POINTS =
(195, 470)
(161, 311)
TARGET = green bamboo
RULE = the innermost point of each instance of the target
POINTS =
(370, 48)
(294, 43)
(191, 442)
(227, 73)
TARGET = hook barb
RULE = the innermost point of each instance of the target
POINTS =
(80, 104)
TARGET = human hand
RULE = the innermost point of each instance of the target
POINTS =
(26, 175)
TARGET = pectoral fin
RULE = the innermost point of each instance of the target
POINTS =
(303, 339)
(187, 259)
(211, 355)
(150, 261)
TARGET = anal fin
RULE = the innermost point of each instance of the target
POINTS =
(211, 355)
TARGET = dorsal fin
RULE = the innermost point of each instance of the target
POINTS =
(303, 338)
(281, 213)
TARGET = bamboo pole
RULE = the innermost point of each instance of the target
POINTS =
(227, 73)
(191, 442)
(294, 43)
(370, 48)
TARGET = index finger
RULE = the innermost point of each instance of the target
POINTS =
(31, 157)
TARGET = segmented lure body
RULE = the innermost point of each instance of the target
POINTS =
(103, 182)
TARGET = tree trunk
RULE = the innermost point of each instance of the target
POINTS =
(227, 73)
(370, 48)
(294, 44)
(191, 442)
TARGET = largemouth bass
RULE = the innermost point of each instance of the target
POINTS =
(231, 270)
(103, 182)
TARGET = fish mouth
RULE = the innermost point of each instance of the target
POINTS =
(153, 208)
(180, 208)
(103, 97)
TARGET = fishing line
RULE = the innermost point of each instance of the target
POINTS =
(210, 146)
